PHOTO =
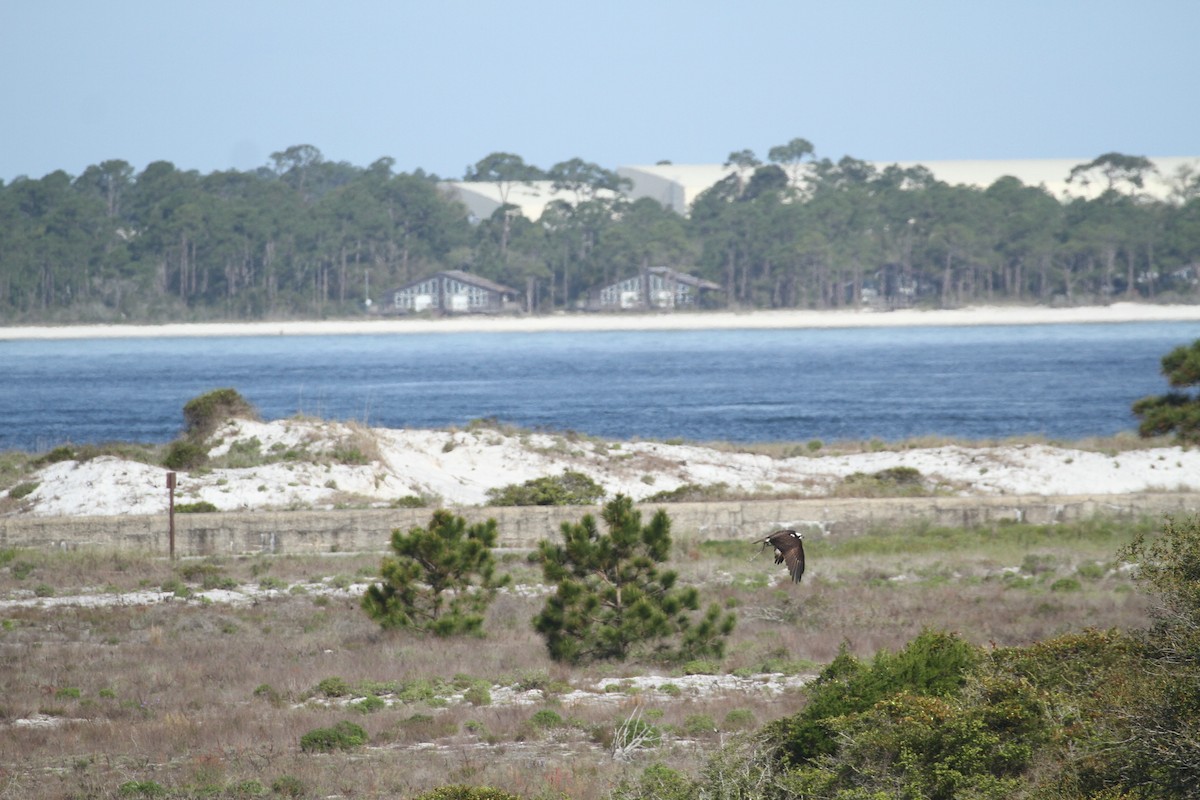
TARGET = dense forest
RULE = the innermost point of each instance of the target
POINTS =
(305, 237)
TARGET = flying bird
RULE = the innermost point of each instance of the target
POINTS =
(789, 549)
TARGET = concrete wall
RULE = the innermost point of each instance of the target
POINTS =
(294, 532)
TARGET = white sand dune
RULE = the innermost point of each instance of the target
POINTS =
(458, 467)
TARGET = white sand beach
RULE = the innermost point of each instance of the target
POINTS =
(974, 315)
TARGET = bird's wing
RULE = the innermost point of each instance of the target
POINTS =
(773, 539)
(781, 539)
(794, 558)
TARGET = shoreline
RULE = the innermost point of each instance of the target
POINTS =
(683, 320)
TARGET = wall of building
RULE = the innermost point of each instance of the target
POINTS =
(296, 532)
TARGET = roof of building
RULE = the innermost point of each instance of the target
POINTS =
(465, 277)
(683, 277)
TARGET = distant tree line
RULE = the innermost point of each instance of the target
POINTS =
(311, 238)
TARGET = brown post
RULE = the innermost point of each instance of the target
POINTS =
(171, 511)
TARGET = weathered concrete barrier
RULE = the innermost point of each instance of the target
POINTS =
(295, 532)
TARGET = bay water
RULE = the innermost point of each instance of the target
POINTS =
(980, 382)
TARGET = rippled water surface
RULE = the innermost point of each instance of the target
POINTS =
(1063, 381)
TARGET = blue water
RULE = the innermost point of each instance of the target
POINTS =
(1061, 381)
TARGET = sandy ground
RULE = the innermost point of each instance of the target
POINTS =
(459, 467)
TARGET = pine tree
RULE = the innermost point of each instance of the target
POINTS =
(611, 599)
(440, 580)
(1177, 411)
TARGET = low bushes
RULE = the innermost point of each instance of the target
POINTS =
(569, 489)
(342, 736)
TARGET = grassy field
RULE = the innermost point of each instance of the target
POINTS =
(210, 692)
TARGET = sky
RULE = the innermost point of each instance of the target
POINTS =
(437, 85)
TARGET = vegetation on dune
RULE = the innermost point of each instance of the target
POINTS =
(202, 414)
(572, 488)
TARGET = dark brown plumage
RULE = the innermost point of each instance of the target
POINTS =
(789, 549)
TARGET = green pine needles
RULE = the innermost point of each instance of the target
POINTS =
(440, 580)
(613, 602)
(1176, 412)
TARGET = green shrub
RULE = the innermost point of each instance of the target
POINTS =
(185, 456)
(691, 493)
(1066, 585)
(658, 782)
(350, 455)
(410, 501)
(460, 792)
(268, 692)
(369, 704)
(199, 507)
(176, 587)
(61, 453)
(289, 786)
(569, 489)
(933, 664)
(478, 694)
(243, 454)
(202, 414)
(342, 736)
(890, 482)
(199, 571)
(333, 687)
(142, 789)
(418, 691)
(23, 489)
(546, 718)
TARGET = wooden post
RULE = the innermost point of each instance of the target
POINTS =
(171, 512)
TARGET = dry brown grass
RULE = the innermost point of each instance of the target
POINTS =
(201, 697)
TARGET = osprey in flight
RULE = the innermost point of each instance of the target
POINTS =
(789, 549)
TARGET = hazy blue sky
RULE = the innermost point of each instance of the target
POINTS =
(438, 84)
